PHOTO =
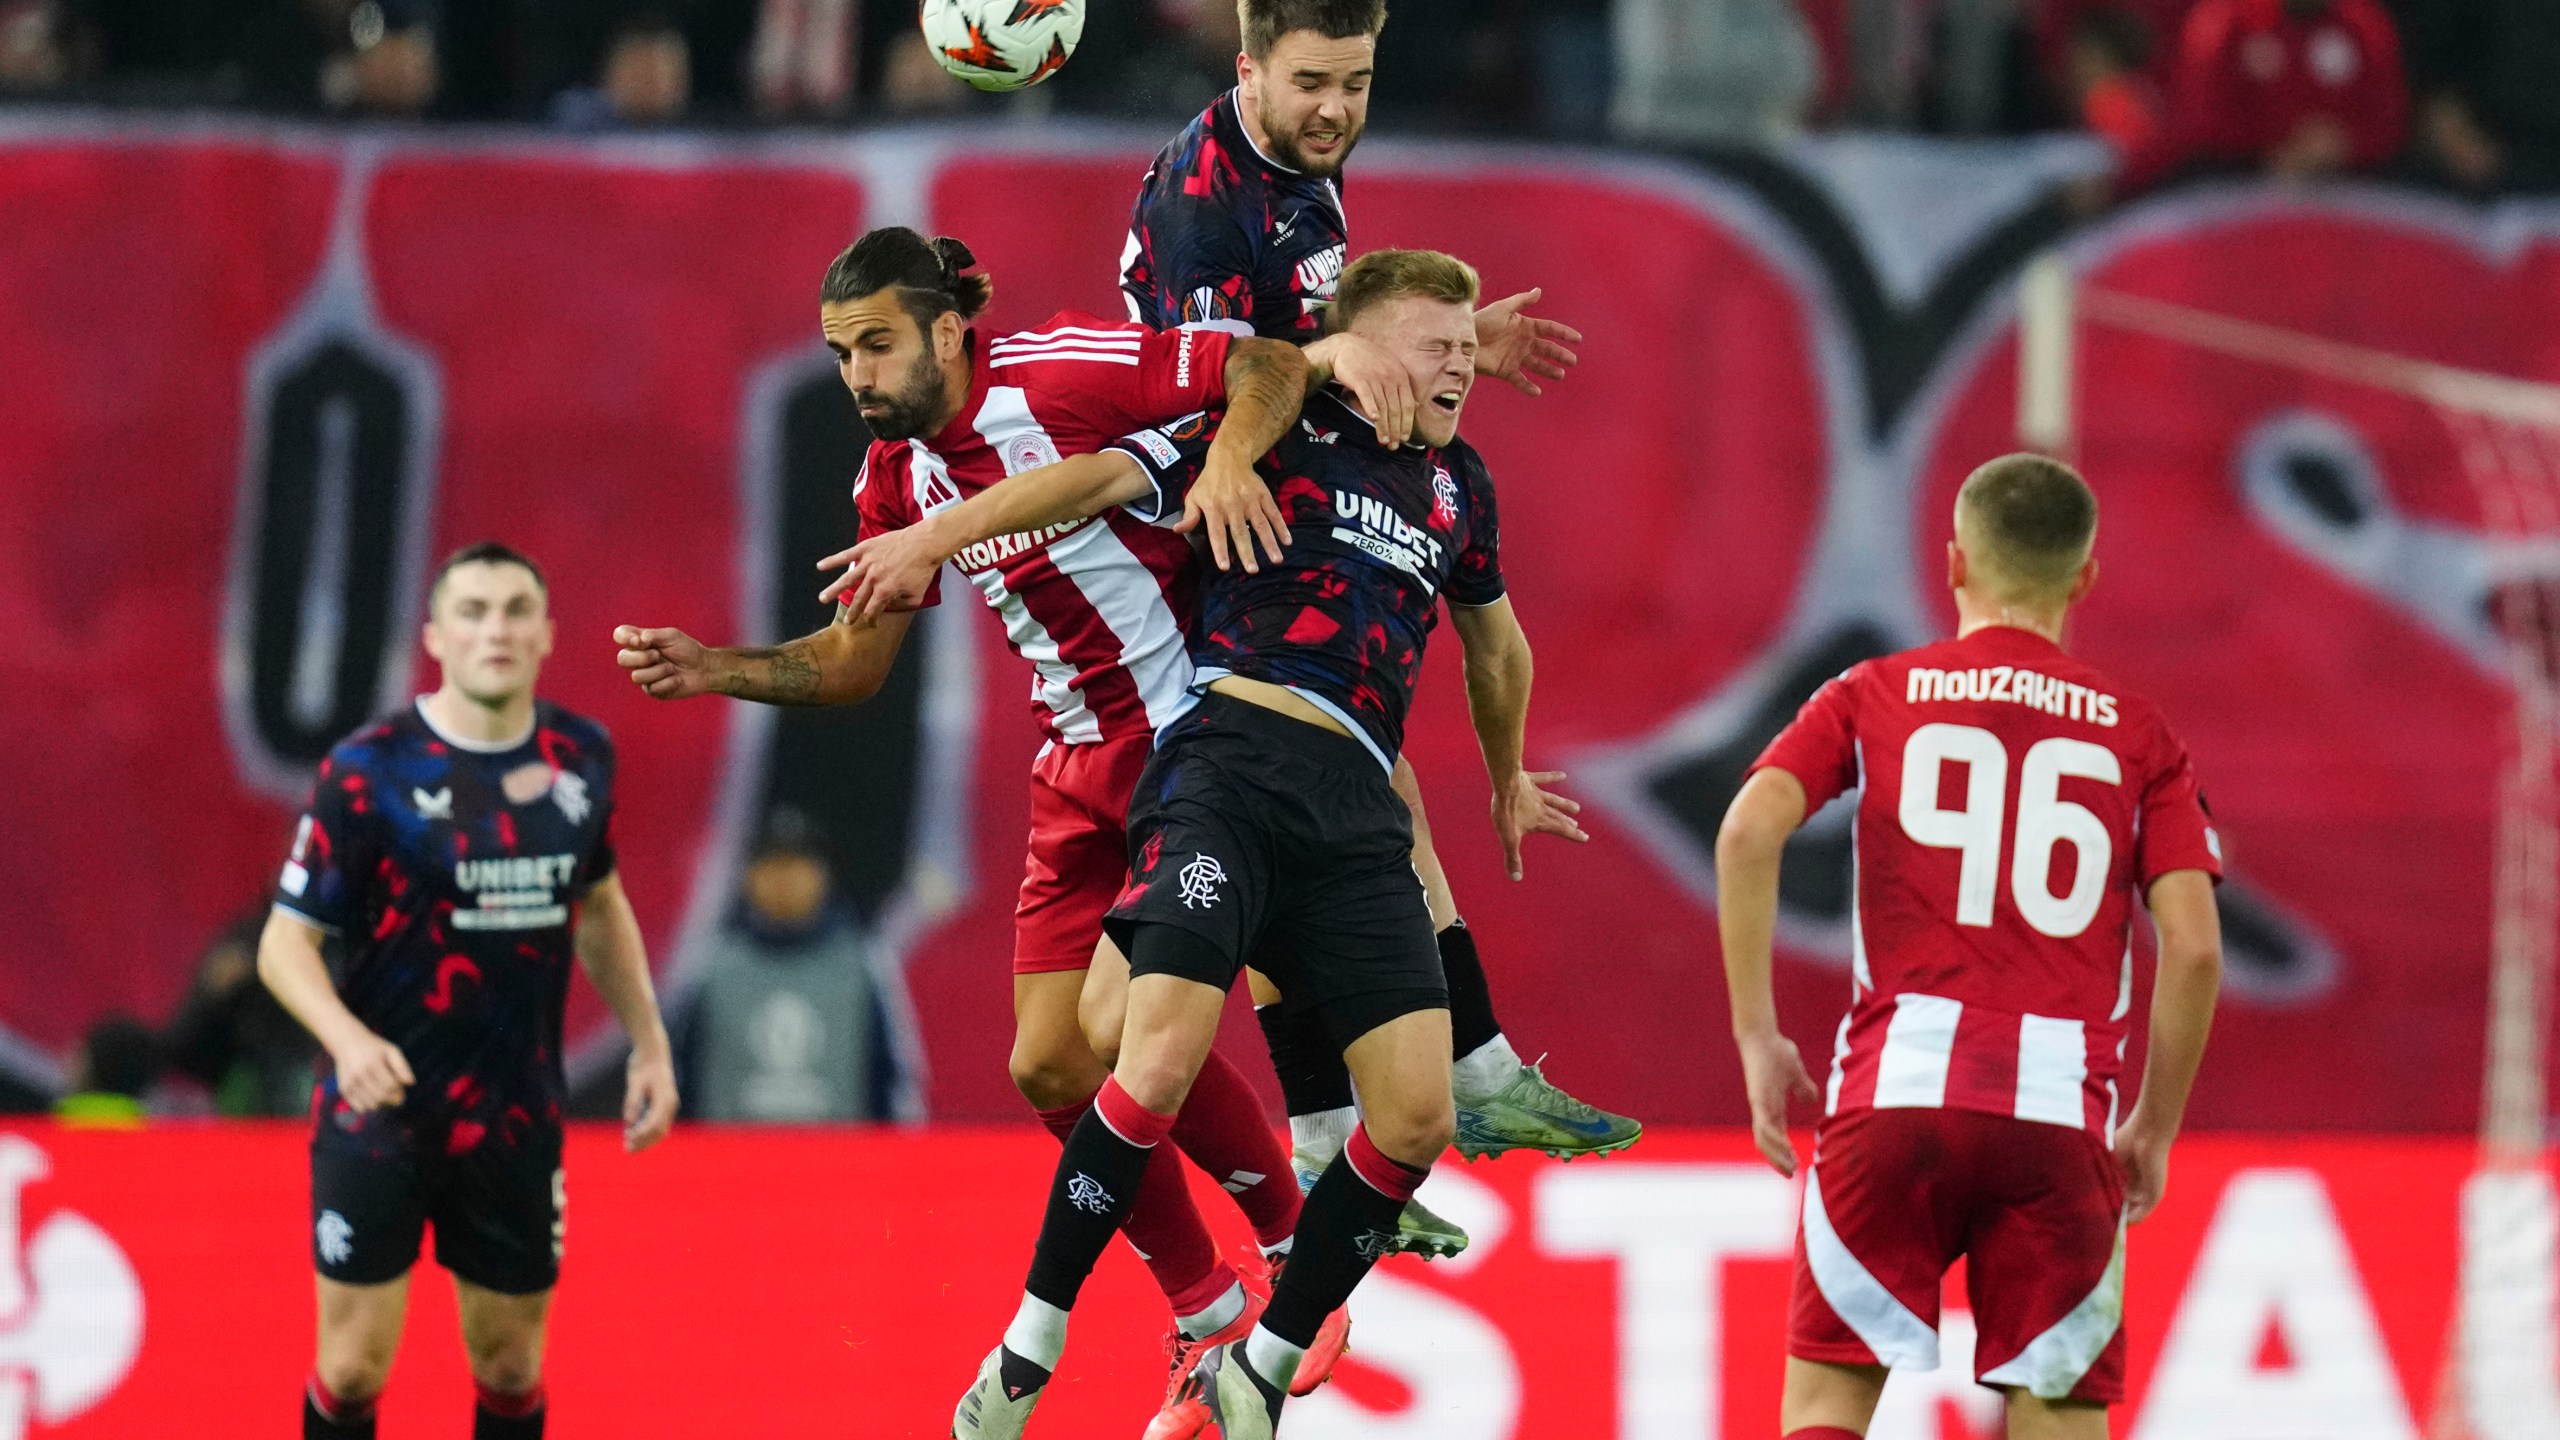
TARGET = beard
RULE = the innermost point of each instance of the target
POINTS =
(908, 412)
(1285, 148)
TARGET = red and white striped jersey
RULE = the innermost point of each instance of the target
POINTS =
(1099, 607)
(2013, 802)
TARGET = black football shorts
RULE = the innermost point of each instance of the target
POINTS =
(496, 1208)
(1249, 827)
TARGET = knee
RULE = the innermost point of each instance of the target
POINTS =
(1055, 1071)
(354, 1371)
(510, 1364)
(1156, 1078)
(1411, 1134)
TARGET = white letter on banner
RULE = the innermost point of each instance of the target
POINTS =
(1456, 1363)
(2274, 1256)
(1670, 1228)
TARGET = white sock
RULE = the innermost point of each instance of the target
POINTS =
(1273, 1358)
(1222, 1312)
(1484, 1071)
(1281, 1250)
(1321, 1134)
(1038, 1332)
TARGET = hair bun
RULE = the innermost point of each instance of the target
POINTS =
(955, 257)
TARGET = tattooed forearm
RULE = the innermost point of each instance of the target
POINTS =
(1266, 382)
(775, 675)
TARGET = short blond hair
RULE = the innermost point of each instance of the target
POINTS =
(2027, 523)
(1383, 275)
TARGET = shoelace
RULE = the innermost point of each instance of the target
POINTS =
(1568, 1105)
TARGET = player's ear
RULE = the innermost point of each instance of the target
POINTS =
(2084, 582)
(947, 329)
(1955, 566)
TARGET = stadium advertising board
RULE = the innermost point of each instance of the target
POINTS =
(607, 354)
(161, 1286)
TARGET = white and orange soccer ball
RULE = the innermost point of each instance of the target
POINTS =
(1002, 44)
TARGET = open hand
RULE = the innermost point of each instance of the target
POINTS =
(891, 571)
(1378, 381)
(1230, 504)
(1513, 345)
(648, 1100)
(1773, 1073)
(666, 664)
(2144, 1158)
(1526, 807)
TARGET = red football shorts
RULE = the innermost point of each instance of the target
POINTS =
(1079, 850)
(2035, 1210)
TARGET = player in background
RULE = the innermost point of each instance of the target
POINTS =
(455, 858)
(1240, 225)
(2013, 803)
(1266, 813)
(1099, 609)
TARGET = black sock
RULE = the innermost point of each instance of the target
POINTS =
(488, 1424)
(1096, 1183)
(1313, 1078)
(1346, 1226)
(1471, 1021)
(316, 1426)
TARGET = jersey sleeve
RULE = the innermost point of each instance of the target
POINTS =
(2175, 831)
(1170, 455)
(1202, 264)
(1476, 579)
(1819, 747)
(1180, 372)
(333, 854)
(882, 502)
(600, 860)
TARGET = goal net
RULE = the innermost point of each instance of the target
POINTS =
(2501, 1377)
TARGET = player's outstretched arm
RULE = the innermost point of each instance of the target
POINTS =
(617, 964)
(843, 664)
(1499, 671)
(890, 571)
(1513, 345)
(1748, 849)
(2182, 999)
(372, 1073)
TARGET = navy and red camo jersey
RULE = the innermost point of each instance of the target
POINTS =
(1225, 236)
(1376, 538)
(449, 875)
(2014, 804)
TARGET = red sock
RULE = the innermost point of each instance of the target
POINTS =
(1164, 1227)
(1225, 1132)
(1823, 1432)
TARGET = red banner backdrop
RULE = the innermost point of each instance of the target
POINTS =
(1710, 511)
(797, 1283)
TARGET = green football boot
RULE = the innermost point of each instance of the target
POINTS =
(1530, 1114)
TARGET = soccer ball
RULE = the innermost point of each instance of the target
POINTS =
(1002, 44)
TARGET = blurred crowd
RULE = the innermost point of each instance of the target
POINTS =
(786, 1019)
(2456, 92)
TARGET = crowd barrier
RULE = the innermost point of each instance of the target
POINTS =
(846, 1283)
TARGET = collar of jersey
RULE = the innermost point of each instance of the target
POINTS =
(964, 425)
(1364, 429)
(1235, 107)
(477, 747)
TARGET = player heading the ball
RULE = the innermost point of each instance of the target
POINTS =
(2013, 804)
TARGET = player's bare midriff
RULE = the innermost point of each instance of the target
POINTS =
(1279, 698)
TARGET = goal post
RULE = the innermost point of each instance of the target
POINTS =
(2501, 1378)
